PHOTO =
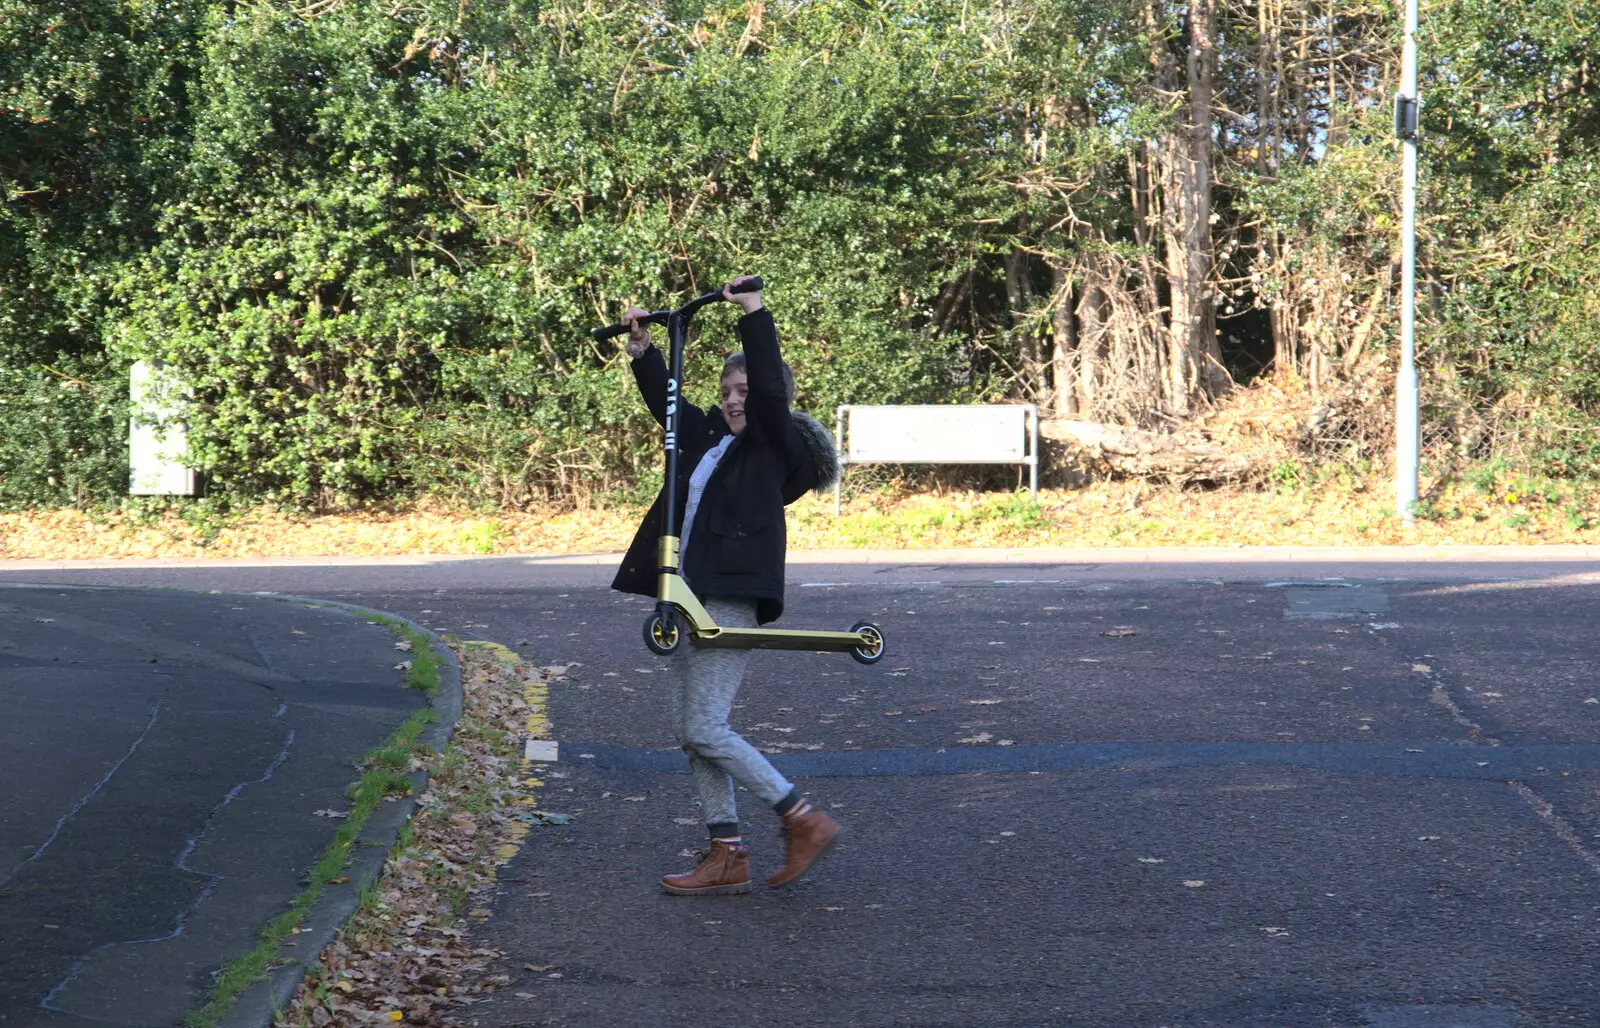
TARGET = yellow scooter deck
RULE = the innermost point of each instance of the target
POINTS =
(707, 634)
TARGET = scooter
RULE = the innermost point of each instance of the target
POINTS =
(675, 601)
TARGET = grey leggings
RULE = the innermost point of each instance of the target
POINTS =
(704, 684)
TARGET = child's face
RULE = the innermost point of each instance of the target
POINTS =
(734, 387)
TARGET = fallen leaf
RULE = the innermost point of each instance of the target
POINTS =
(404, 645)
(1421, 668)
(539, 817)
(338, 879)
(331, 813)
(981, 737)
(984, 703)
(1194, 883)
(1121, 632)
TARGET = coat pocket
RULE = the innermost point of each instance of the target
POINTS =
(739, 546)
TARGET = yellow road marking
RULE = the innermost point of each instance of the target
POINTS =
(536, 695)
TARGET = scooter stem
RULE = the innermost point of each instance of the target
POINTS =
(677, 331)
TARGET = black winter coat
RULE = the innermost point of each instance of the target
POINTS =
(738, 544)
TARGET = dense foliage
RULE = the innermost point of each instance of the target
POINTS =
(371, 236)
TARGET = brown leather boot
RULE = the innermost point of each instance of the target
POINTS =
(807, 839)
(722, 871)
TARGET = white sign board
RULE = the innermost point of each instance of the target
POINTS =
(157, 436)
(940, 434)
(937, 434)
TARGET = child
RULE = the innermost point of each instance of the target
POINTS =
(741, 464)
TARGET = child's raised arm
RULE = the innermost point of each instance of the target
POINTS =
(651, 374)
(767, 404)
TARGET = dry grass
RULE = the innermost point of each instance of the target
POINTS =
(1333, 512)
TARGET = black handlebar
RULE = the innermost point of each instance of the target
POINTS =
(754, 285)
(610, 331)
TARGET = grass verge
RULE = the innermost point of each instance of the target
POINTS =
(405, 955)
(384, 776)
(1332, 505)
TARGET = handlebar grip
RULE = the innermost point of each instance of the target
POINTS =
(609, 332)
(755, 285)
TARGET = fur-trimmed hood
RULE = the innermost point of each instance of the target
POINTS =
(820, 442)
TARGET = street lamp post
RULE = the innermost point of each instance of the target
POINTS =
(1406, 428)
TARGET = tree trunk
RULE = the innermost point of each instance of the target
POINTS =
(1177, 365)
(1130, 451)
(1266, 116)
(1203, 347)
(1092, 344)
(1337, 123)
(1192, 365)
(1064, 352)
(1019, 294)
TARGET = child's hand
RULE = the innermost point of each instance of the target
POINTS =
(749, 301)
(638, 332)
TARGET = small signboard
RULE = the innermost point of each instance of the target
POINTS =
(158, 439)
(937, 434)
(940, 434)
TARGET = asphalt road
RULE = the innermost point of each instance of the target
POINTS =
(1072, 797)
(164, 758)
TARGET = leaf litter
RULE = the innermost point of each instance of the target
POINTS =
(406, 955)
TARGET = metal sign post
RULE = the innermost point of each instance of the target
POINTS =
(1406, 433)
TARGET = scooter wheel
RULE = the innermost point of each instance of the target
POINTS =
(662, 634)
(871, 651)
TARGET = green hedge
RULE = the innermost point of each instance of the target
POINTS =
(373, 238)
